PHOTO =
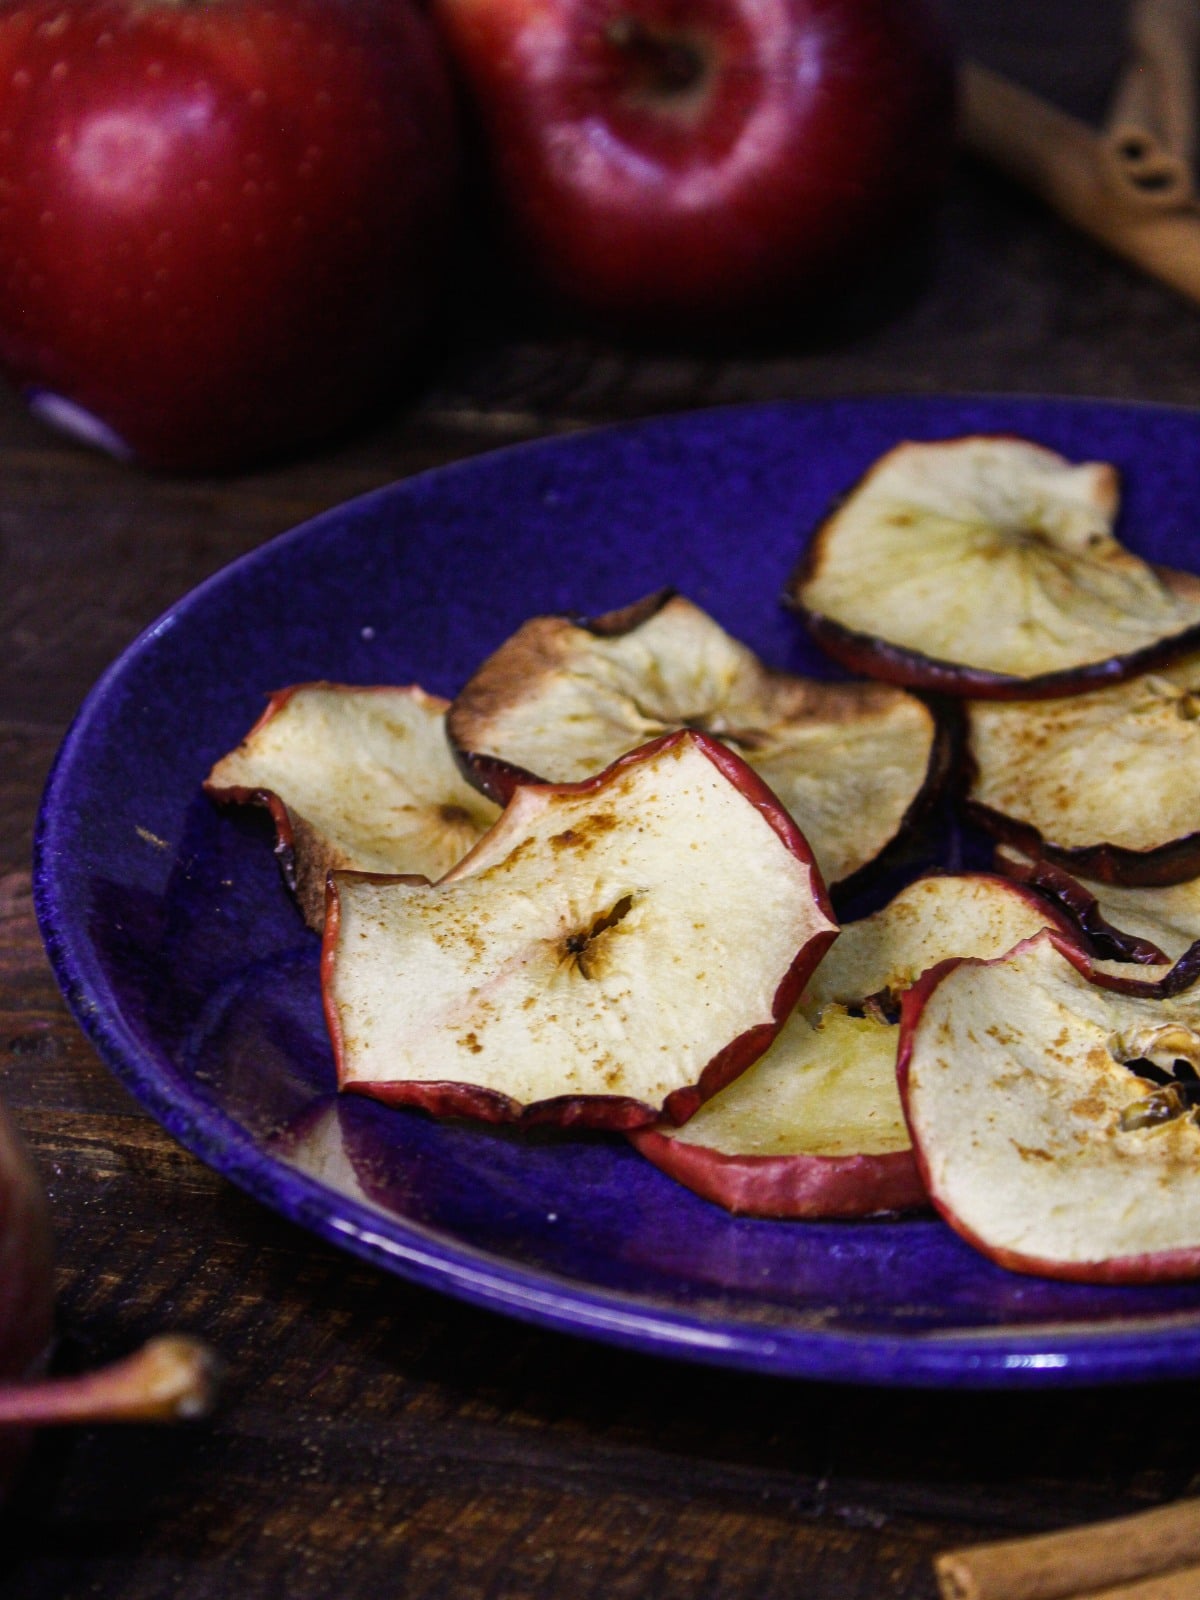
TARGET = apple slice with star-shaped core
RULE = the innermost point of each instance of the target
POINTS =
(815, 1127)
(856, 764)
(355, 778)
(1103, 783)
(1158, 929)
(609, 950)
(1053, 1118)
(988, 566)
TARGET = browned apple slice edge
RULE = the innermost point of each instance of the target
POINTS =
(1174, 862)
(238, 794)
(892, 663)
(1048, 878)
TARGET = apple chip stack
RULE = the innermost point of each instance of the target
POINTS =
(592, 889)
(988, 568)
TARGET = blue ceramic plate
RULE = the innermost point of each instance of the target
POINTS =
(188, 967)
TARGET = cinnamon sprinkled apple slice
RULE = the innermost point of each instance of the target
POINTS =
(853, 763)
(815, 1127)
(1104, 783)
(1053, 1118)
(988, 566)
(354, 778)
(609, 950)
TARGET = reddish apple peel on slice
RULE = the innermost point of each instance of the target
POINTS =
(1104, 784)
(815, 1127)
(855, 764)
(610, 950)
(987, 566)
(1148, 938)
(1038, 1141)
(360, 779)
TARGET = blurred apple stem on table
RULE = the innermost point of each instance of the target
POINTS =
(170, 1379)
(1129, 185)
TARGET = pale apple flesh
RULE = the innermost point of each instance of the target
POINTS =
(976, 913)
(1053, 1118)
(855, 764)
(360, 779)
(988, 566)
(609, 951)
(1102, 783)
(815, 1127)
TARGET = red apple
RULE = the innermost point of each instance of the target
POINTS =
(686, 159)
(222, 226)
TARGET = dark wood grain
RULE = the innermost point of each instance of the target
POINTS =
(375, 1438)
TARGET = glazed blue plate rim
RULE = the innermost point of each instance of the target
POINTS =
(1168, 1348)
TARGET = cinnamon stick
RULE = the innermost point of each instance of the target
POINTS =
(1150, 140)
(1097, 1559)
(1061, 159)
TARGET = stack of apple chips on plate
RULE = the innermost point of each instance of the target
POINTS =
(592, 890)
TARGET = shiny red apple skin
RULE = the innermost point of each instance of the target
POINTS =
(814, 130)
(222, 226)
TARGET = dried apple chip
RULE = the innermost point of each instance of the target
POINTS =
(1104, 784)
(611, 949)
(815, 1127)
(354, 778)
(988, 567)
(1053, 1118)
(853, 763)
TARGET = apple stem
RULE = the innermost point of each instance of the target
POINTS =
(169, 1379)
(671, 66)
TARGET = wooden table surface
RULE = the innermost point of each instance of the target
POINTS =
(379, 1439)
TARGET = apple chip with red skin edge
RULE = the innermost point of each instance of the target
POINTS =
(1050, 1114)
(610, 950)
(987, 566)
(1103, 783)
(1158, 929)
(815, 1127)
(855, 764)
(361, 779)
